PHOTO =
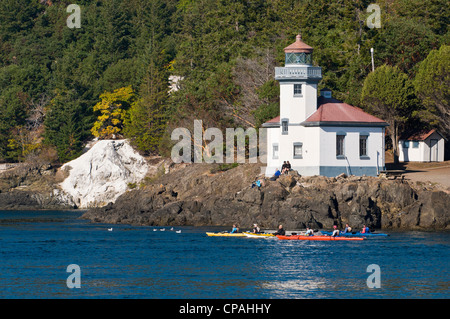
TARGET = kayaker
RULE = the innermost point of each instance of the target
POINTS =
(309, 232)
(347, 229)
(335, 231)
(256, 229)
(365, 230)
(280, 231)
(234, 229)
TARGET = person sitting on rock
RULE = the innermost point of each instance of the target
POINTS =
(287, 168)
(283, 167)
(258, 183)
(276, 175)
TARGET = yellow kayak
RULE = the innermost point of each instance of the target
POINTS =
(225, 234)
(260, 235)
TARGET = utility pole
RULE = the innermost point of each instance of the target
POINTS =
(371, 54)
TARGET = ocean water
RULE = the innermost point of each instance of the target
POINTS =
(36, 247)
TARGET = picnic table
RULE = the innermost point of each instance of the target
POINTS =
(393, 174)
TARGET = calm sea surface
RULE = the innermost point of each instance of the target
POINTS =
(138, 262)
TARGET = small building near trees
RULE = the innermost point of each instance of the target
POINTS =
(422, 146)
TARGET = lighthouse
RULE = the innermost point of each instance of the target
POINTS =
(317, 134)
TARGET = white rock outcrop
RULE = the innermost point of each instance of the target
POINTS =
(103, 173)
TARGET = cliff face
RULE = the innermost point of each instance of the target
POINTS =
(30, 186)
(194, 196)
(95, 178)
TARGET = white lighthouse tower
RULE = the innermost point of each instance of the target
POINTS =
(286, 137)
(298, 83)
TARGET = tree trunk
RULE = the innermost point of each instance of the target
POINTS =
(394, 139)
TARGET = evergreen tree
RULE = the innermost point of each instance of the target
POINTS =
(147, 117)
(389, 94)
(64, 125)
(432, 84)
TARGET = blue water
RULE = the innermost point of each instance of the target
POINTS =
(137, 262)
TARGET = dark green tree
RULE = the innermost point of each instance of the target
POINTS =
(432, 84)
(389, 94)
(65, 125)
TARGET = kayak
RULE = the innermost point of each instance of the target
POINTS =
(260, 235)
(300, 237)
(225, 234)
(358, 234)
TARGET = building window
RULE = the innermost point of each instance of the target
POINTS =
(405, 144)
(275, 151)
(297, 90)
(415, 144)
(363, 145)
(298, 150)
(284, 126)
(340, 138)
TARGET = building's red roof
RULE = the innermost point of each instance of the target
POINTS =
(420, 135)
(332, 110)
(274, 120)
(298, 46)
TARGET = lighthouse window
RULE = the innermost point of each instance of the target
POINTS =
(298, 150)
(297, 90)
(340, 146)
(275, 151)
(284, 126)
(363, 145)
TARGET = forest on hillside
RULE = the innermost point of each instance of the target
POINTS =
(60, 87)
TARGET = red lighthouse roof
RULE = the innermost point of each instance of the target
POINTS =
(298, 46)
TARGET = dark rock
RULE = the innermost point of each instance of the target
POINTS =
(227, 197)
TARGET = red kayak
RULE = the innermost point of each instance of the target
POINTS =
(300, 237)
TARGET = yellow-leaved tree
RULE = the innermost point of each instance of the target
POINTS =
(112, 107)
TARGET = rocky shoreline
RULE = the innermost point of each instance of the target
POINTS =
(221, 195)
(199, 195)
(32, 186)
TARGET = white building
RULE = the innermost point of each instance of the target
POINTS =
(425, 146)
(319, 135)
